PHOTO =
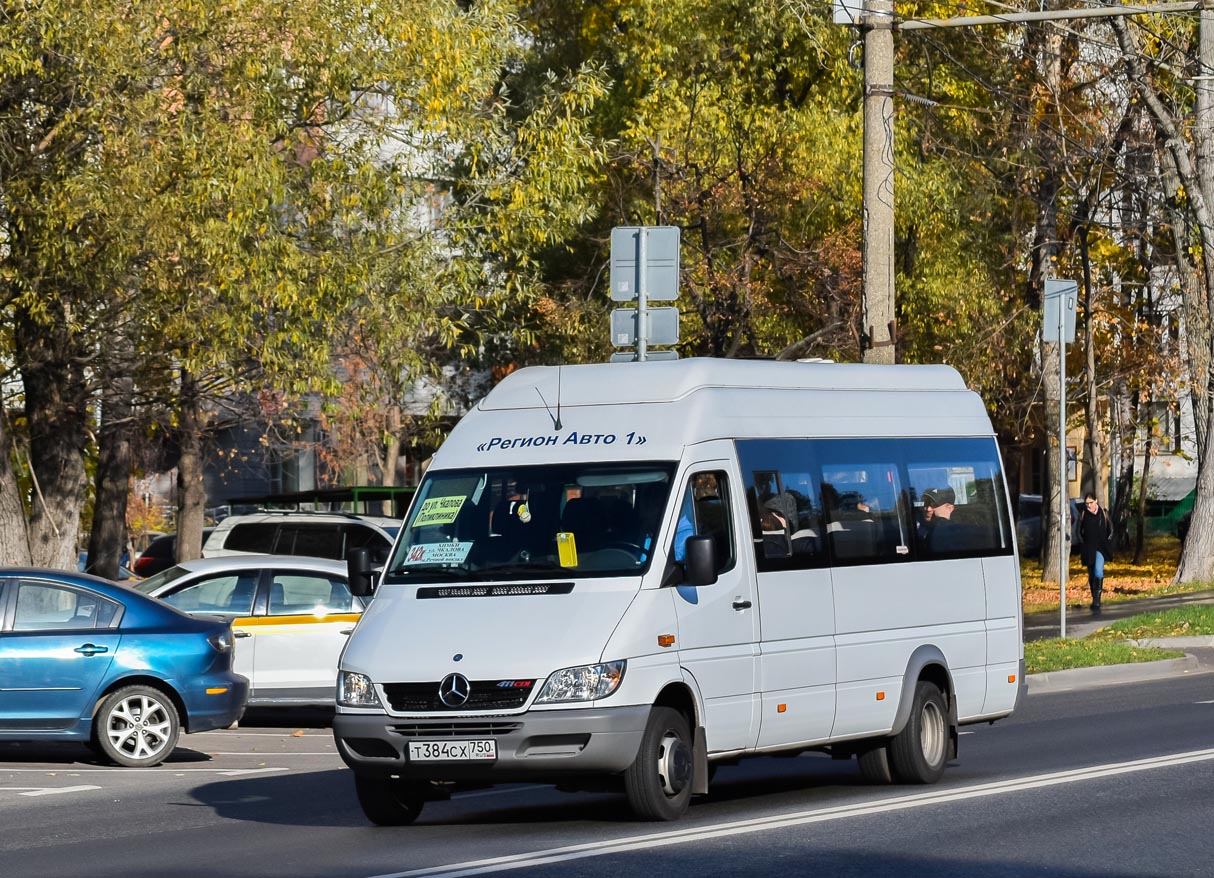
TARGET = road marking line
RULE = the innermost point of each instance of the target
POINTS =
(275, 754)
(164, 769)
(236, 733)
(237, 772)
(799, 818)
(479, 793)
(48, 791)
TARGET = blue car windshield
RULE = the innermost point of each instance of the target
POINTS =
(541, 522)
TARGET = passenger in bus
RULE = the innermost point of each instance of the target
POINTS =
(776, 540)
(702, 505)
(511, 513)
(939, 532)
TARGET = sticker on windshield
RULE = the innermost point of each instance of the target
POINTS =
(439, 510)
(438, 553)
(566, 547)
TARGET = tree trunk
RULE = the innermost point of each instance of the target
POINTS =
(1125, 439)
(1140, 513)
(14, 535)
(1055, 460)
(392, 451)
(56, 409)
(112, 485)
(1094, 479)
(1196, 312)
(1193, 170)
(191, 490)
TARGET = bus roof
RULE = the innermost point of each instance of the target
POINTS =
(667, 381)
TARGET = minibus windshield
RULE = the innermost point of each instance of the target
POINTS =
(537, 522)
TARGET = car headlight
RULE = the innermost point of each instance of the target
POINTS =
(356, 690)
(586, 683)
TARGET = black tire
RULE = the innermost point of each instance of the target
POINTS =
(658, 783)
(918, 753)
(389, 801)
(874, 764)
(136, 726)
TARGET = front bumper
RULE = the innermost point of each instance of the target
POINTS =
(537, 745)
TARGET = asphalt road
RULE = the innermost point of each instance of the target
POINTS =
(1110, 781)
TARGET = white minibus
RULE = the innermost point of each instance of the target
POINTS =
(617, 576)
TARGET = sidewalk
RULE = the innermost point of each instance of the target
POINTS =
(1080, 622)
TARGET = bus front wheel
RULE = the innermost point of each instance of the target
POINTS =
(389, 801)
(658, 783)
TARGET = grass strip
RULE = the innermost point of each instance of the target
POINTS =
(1043, 656)
(1196, 621)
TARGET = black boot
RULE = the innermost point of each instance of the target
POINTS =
(1097, 586)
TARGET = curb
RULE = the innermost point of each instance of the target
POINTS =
(1205, 642)
(1084, 678)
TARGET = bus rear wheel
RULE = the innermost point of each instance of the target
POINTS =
(918, 753)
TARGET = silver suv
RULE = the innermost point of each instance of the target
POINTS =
(315, 534)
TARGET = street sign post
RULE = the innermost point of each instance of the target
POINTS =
(644, 267)
(661, 260)
(663, 326)
(631, 356)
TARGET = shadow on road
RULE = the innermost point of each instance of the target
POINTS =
(68, 753)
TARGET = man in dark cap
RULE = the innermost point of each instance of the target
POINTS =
(938, 506)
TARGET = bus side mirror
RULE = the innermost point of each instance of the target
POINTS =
(360, 573)
(701, 560)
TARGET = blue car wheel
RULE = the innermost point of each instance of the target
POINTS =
(136, 726)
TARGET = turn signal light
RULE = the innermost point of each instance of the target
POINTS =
(1011, 678)
(880, 696)
(780, 708)
(217, 690)
(665, 640)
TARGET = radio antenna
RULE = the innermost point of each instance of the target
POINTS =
(556, 419)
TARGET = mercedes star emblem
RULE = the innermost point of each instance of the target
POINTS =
(453, 691)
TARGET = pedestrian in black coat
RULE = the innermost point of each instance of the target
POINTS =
(1096, 536)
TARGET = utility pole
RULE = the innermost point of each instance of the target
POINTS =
(877, 329)
(1203, 86)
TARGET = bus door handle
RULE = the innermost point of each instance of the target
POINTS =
(740, 604)
(239, 633)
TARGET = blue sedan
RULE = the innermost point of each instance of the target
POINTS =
(83, 658)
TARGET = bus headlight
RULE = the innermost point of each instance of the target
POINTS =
(587, 683)
(356, 690)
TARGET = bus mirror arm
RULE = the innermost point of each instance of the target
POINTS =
(360, 572)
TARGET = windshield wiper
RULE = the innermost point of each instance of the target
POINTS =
(449, 572)
(521, 566)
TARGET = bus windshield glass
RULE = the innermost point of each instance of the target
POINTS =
(539, 522)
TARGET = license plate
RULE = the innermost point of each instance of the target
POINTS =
(454, 751)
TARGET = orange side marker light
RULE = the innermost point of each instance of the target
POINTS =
(880, 696)
(665, 640)
(781, 708)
